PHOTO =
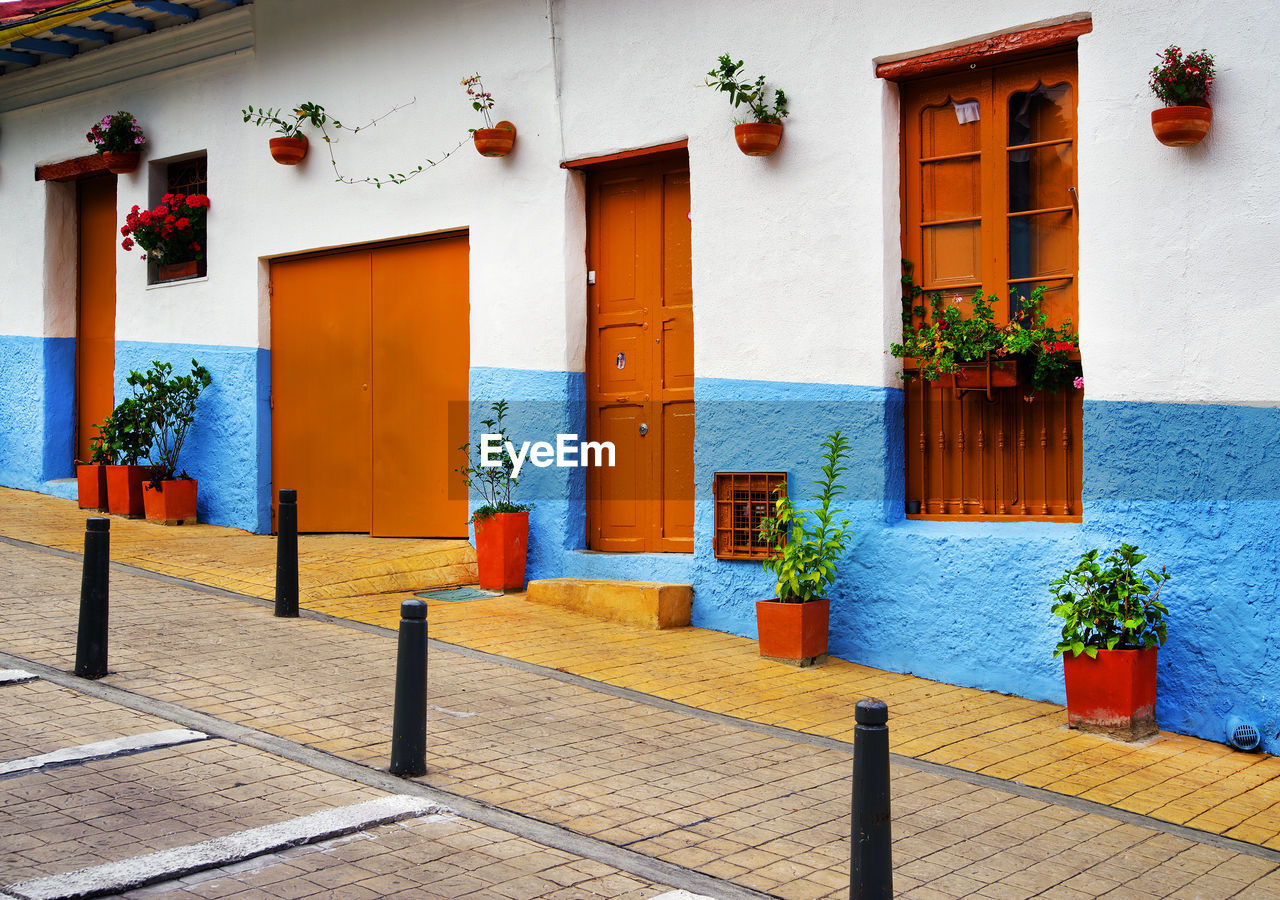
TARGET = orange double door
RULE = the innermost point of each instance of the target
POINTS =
(640, 356)
(369, 366)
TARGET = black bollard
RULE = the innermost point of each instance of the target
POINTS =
(287, 555)
(91, 638)
(409, 720)
(871, 853)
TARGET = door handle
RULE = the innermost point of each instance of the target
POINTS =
(644, 429)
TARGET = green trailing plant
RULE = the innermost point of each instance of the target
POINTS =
(481, 100)
(726, 77)
(939, 336)
(1183, 80)
(493, 481)
(1110, 605)
(805, 558)
(289, 124)
(169, 404)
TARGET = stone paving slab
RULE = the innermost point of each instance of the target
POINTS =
(763, 810)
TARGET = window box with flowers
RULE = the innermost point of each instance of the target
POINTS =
(119, 141)
(173, 235)
(1182, 83)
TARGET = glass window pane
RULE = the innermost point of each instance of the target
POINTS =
(1041, 245)
(1041, 114)
(1040, 177)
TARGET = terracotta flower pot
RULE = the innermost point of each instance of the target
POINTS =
(1181, 126)
(495, 141)
(502, 547)
(793, 633)
(124, 490)
(1114, 694)
(91, 483)
(289, 151)
(973, 376)
(757, 138)
(121, 163)
(174, 503)
(177, 271)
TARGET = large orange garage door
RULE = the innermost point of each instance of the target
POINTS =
(369, 348)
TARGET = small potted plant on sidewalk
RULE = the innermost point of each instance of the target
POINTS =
(1182, 83)
(804, 559)
(119, 141)
(127, 440)
(1113, 628)
(502, 527)
(492, 140)
(761, 135)
(91, 476)
(170, 404)
(173, 234)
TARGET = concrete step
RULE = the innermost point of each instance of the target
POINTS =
(649, 604)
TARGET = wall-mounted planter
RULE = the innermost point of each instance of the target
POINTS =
(495, 141)
(289, 151)
(1181, 126)
(178, 271)
(757, 138)
(121, 163)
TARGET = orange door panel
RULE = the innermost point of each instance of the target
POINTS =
(640, 357)
(421, 361)
(321, 436)
(96, 308)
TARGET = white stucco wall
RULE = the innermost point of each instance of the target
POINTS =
(795, 255)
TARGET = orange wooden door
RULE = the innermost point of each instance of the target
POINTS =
(421, 363)
(96, 307)
(640, 357)
(369, 357)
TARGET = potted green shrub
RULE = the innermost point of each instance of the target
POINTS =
(126, 441)
(502, 526)
(169, 402)
(91, 476)
(119, 140)
(1182, 83)
(804, 560)
(1114, 625)
(492, 140)
(761, 135)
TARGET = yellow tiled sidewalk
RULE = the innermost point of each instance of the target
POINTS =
(1172, 777)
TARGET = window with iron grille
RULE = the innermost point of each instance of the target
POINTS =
(188, 176)
(743, 500)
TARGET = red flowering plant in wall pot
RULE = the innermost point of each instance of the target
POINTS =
(172, 234)
(119, 140)
(1182, 83)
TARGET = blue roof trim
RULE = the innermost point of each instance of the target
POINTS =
(164, 6)
(83, 34)
(40, 45)
(22, 59)
(122, 21)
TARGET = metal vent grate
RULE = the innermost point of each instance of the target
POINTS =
(1244, 737)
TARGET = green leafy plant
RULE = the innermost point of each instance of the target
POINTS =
(940, 337)
(290, 125)
(1110, 604)
(494, 481)
(99, 454)
(124, 437)
(805, 558)
(1183, 80)
(169, 403)
(725, 77)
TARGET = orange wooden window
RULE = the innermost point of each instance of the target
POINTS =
(743, 499)
(989, 202)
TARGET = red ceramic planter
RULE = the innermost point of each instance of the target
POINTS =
(124, 490)
(495, 141)
(91, 484)
(288, 151)
(174, 503)
(1113, 694)
(794, 633)
(502, 547)
(1181, 126)
(757, 138)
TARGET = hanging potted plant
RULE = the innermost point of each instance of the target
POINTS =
(804, 559)
(91, 476)
(973, 353)
(1113, 629)
(173, 234)
(127, 439)
(290, 148)
(492, 140)
(119, 140)
(761, 135)
(1182, 83)
(169, 402)
(502, 527)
